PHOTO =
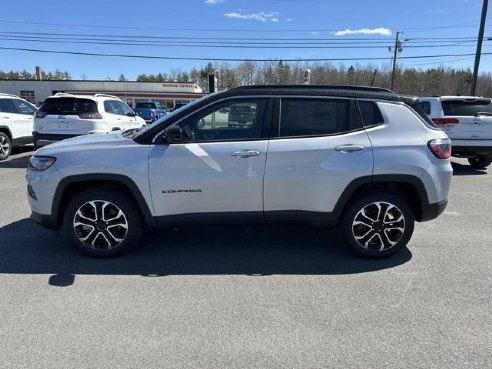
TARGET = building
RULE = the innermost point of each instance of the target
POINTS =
(167, 93)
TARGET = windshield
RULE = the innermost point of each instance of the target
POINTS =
(163, 122)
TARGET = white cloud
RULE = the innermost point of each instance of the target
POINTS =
(261, 16)
(364, 31)
(288, 20)
(213, 2)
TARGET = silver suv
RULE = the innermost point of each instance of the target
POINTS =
(359, 158)
(467, 120)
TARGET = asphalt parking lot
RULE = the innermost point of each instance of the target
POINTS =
(249, 297)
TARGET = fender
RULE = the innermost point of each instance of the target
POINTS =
(101, 177)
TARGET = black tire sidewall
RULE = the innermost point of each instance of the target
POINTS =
(480, 162)
(357, 204)
(116, 197)
(3, 157)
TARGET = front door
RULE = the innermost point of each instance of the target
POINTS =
(218, 170)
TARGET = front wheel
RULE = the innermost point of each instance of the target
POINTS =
(480, 162)
(102, 222)
(5, 146)
(377, 225)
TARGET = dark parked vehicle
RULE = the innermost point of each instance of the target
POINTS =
(241, 115)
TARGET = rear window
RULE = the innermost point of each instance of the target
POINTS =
(148, 105)
(68, 106)
(467, 107)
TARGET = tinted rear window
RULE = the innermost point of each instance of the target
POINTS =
(148, 105)
(370, 113)
(467, 107)
(68, 106)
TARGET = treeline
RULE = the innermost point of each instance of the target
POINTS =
(57, 75)
(431, 81)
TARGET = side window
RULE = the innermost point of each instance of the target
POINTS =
(316, 117)
(370, 113)
(426, 106)
(24, 107)
(7, 106)
(108, 107)
(113, 107)
(124, 107)
(229, 120)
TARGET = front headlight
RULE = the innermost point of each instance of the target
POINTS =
(41, 162)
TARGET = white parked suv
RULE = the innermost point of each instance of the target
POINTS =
(361, 158)
(65, 115)
(467, 120)
(16, 120)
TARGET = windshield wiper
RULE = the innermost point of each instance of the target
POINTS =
(486, 113)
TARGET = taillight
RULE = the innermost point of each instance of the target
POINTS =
(90, 116)
(445, 120)
(441, 148)
(40, 114)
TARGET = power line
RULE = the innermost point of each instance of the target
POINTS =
(459, 25)
(228, 59)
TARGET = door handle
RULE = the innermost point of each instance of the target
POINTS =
(349, 148)
(245, 153)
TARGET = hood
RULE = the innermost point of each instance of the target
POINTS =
(86, 142)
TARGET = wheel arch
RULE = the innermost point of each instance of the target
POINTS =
(6, 130)
(70, 186)
(409, 187)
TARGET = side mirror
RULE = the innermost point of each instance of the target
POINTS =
(174, 134)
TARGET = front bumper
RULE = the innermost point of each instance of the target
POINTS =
(47, 221)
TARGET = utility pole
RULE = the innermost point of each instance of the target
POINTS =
(473, 88)
(396, 49)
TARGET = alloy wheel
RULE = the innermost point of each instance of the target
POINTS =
(378, 226)
(100, 225)
(4, 146)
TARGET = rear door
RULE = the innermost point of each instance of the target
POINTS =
(320, 148)
(27, 111)
(473, 116)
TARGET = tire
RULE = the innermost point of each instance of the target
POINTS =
(480, 162)
(377, 225)
(5, 146)
(102, 222)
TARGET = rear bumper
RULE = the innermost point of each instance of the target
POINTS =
(470, 151)
(432, 211)
(43, 139)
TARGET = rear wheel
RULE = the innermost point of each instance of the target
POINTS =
(377, 225)
(480, 162)
(5, 146)
(102, 222)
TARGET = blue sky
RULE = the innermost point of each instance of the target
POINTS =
(354, 30)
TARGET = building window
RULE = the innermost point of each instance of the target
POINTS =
(29, 96)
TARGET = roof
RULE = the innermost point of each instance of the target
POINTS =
(321, 90)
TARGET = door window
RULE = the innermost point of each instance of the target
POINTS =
(24, 107)
(302, 117)
(7, 106)
(240, 119)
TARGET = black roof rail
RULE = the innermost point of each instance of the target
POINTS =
(317, 87)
